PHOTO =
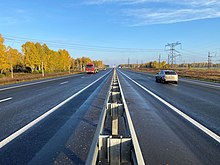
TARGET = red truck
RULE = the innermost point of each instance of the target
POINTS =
(90, 68)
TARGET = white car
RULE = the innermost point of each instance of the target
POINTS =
(167, 76)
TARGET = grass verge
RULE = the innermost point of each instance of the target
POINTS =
(25, 77)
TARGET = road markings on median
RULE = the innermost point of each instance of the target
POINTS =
(191, 120)
(64, 82)
(37, 120)
(5, 99)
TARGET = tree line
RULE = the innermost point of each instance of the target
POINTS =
(164, 65)
(36, 57)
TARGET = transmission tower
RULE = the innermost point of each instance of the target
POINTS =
(173, 53)
(210, 58)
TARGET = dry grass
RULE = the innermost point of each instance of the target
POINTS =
(212, 75)
(201, 74)
(22, 77)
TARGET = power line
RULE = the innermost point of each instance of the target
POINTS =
(84, 46)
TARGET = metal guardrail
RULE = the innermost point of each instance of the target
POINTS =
(118, 145)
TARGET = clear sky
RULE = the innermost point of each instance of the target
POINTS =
(115, 30)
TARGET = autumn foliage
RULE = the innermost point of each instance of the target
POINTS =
(36, 57)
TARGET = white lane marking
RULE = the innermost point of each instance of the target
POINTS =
(5, 99)
(200, 83)
(174, 85)
(149, 77)
(35, 121)
(18, 86)
(83, 77)
(64, 82)
(191, 120)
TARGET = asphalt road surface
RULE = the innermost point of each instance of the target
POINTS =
(53, 121)
(65, 135)
(164, 136)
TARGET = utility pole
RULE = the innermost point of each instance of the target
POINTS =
(159, 60)
(209, 59)
(128, 62)
(173, 53)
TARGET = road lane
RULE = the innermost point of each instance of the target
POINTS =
(35, 121)
(188, 118)
(34, 82)
(29, 102)
(198, 101)
(185, 80)
(63, 136)
(164, 136)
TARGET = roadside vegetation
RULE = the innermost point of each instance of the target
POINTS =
(199, 71)
(37, 61)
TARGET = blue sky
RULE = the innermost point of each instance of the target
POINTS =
(115, 30)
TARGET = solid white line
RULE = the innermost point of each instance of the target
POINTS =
(140, 159)
(18, 86)
(6, 99)
(174, 85)
(194, 122)
(31, 124)
(64, 82)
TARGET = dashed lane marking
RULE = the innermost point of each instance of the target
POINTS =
(5, 99)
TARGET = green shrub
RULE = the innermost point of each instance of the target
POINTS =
(2, 75)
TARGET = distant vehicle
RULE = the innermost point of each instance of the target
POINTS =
(90, 68)
(167, 76)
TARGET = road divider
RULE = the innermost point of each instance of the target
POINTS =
(37, 120)
(5, 99)
(118, 145)
(188, 118)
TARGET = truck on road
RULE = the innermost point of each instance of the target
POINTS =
(90, 68)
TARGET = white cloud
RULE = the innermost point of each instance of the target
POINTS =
(145, 12)
(164, 16)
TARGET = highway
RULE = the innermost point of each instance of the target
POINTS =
(164, 136)
(65, 134)
(53, 121)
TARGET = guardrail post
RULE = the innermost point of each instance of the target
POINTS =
(114, 109)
